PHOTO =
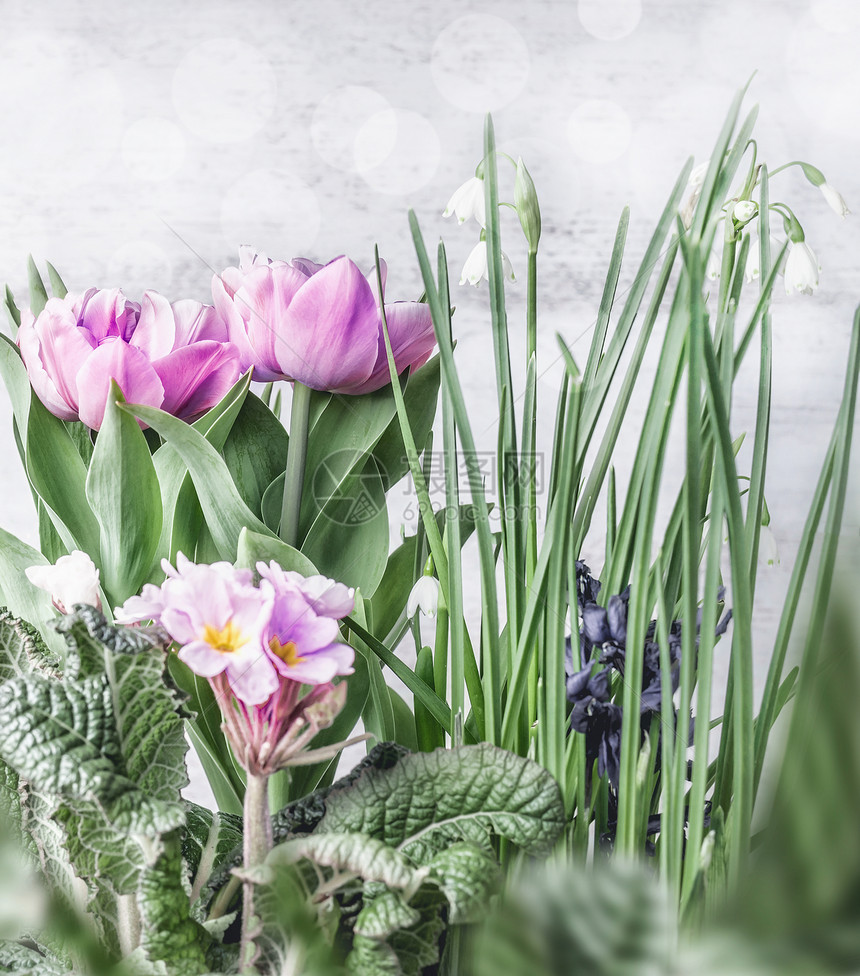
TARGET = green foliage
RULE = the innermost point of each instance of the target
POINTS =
(93, 768)
(407, 850)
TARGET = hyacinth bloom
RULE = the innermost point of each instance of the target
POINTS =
(175, 357)
(318, 325)
(72, 579)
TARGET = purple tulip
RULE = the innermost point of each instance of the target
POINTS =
(176, 357)
(319, 325)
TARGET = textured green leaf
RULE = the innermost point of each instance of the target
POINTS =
(384, 914)
(207, 841)
(88, 636)
(22, 650)
(113, 737)
(169, 934)
(352, 853)
(407, 951)
(23, 961)
(468, 877)
(430, 800)
(123, 490)
(609, 920)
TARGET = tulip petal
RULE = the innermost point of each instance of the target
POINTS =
(132, 371)
(224, 288)
(107, 313)
(196, 322)
(65, 348)
(155, 335)
(197, 376)
(410, 328)
(330, 337)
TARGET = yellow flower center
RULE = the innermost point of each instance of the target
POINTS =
(288, 652)
(226, 640)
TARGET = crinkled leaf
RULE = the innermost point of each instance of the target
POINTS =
(384, 914)
(207, 841)
(168, 933)
(467, 876)
(607, 920)
(407, 951)
(352, 853)
(303, 816)
(89, 638)
(22, 650)
(430, 800)
(24, 961)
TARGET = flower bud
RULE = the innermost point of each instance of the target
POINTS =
(834, 200)
(72, 579)
(744, 211)
(526, 202)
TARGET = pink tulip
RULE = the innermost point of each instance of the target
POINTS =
(176, 357)
(319, 325)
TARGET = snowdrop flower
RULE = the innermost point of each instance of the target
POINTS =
(744, 211)
(801, 269)
(476, 266)
(424, 597)
(697, 174)
(753, 269)
(835, 200)
(468, 201)
(715, 263)
(768, 552)
(72, 579)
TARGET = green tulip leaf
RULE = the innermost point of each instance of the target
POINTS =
(123, 491)
(225, 512)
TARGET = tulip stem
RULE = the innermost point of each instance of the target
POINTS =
(295, 470)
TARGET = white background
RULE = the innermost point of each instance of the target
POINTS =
(142, 143)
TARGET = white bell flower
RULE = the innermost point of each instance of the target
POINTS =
(476, 266)
(801, 269)
(424, 597)
(835, 200)
(468, 201)
(72, 579)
